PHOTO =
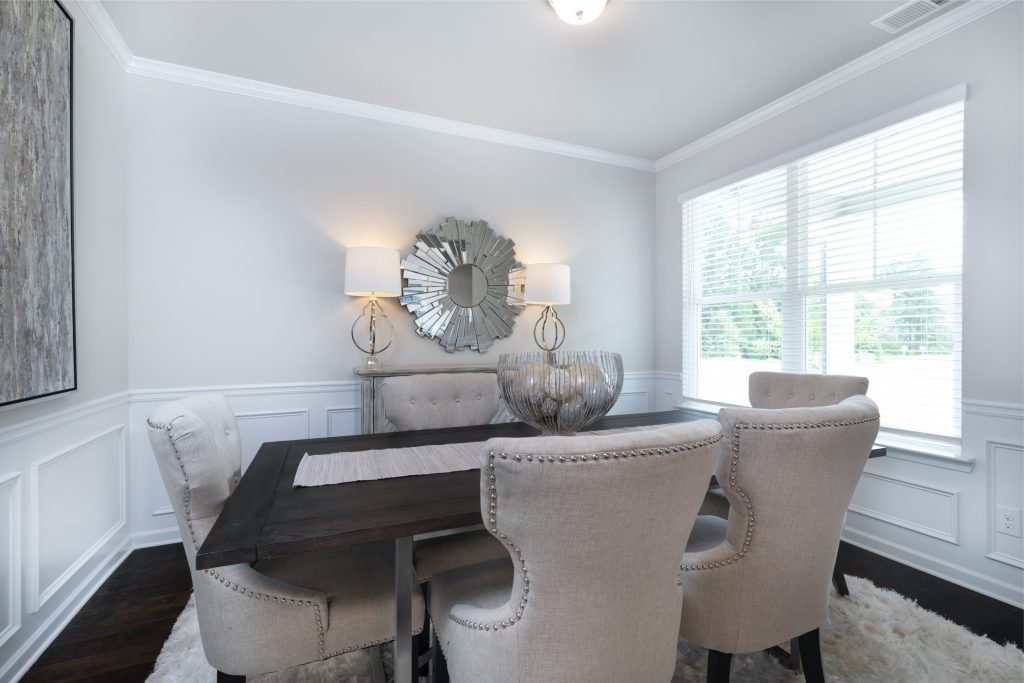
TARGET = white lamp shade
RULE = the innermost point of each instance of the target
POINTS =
(578, 12)
(547, 284)
(372, 271)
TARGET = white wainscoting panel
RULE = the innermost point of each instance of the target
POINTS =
(78, 504)
(10, 558)
(343, 421)
(257, 428)
(918, 526)
(63, 520)
(631, 402)
(918, 507)
(1005, 483)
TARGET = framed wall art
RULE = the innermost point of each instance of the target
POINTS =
(37, 280)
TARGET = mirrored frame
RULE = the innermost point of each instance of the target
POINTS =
(436, 263)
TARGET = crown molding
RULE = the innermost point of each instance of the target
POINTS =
(202, 78)
(943, 24)
(104, 25)
(952, 20)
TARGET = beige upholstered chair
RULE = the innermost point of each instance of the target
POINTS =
(793, 390)
(592, 525)
(457, 399)
(432, 401)
(789, 477)
(276, 613)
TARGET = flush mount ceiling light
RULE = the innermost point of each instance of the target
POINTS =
(578, 12)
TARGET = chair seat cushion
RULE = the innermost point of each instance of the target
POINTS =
(359, 582)
(486, 585)
(708, 532)
(443, 552)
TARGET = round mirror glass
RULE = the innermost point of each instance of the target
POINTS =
(467, 285)
(463, 285)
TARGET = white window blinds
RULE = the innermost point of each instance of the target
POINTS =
(847, 261)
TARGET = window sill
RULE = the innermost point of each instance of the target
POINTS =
(923, 450)
(916, 448)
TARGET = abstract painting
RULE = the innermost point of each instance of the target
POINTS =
(37, 295)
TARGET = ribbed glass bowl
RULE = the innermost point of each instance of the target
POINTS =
(560, 392)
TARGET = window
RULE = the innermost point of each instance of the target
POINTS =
(847, 261)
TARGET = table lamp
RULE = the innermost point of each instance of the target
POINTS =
(547, 284)
(372, 272)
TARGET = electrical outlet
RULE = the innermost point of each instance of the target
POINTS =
(1008, 521)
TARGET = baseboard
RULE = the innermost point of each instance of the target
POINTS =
(30, 651)
(148, 539)
(961, 576)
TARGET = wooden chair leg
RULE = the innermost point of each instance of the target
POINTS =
(810, 657)
(719, 664)
(229, 678)
(794, 656)
(839, 581)
(439, 666)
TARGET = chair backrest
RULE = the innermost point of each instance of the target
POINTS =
(440, 400)
(789, 475)
(795, 390)
(595, 526)
(197, 449)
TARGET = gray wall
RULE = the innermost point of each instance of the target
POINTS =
(240, 210)
(986, 55)
(100, 140)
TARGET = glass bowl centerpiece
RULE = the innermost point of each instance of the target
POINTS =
(560, 392)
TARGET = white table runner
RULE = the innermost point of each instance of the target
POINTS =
(386, 463)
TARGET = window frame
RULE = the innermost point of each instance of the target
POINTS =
(914, 445)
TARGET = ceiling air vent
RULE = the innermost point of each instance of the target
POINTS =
(908, 15)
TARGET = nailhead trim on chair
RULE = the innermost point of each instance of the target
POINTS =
(743, 496)
(188, 489)
(212, 572)
(493, 526)
(371, 643)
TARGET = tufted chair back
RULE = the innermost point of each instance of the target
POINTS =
(443, 400)
(198, 452)
(795, 390)
(789, 475)
(595, 526)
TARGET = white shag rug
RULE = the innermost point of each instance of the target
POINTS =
(874, 635)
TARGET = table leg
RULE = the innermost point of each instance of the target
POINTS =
(406, 658)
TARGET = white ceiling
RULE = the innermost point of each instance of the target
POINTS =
(644, 79)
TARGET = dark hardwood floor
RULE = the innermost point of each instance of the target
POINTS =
(118, 634)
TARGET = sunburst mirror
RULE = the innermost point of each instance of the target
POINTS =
(463, 285)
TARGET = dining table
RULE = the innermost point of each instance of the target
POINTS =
(267, 516)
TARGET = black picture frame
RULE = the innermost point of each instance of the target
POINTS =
(65, 379)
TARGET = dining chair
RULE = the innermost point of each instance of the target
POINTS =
(776, 390)
(433, 401)
(789, 477)
(276, 613)
(593, 528)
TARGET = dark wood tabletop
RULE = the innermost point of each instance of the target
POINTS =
(266, 517)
